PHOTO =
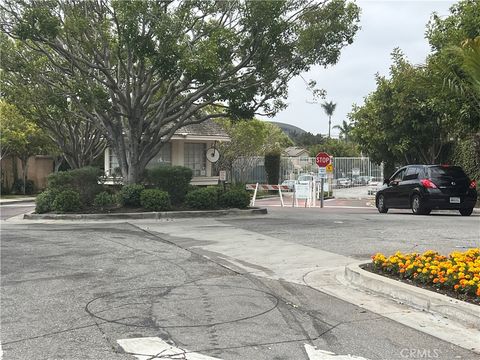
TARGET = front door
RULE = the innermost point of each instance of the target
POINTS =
(392, 193)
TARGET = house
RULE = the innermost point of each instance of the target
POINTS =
(300, 162)
(297, 152)
(187, 147)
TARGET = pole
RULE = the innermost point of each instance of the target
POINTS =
(321, 192)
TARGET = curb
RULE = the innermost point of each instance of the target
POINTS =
(426, 300)
(146, 215)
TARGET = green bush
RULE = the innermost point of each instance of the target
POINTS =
(17, 187)
(104, 199)
(173, 179)
(202, 199)
(67, 201)
(155, 200)
(272, 168)
(44, 201)
(84, 180)
(236, 198)
(130, 194)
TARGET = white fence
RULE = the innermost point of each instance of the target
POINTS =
(347, 171)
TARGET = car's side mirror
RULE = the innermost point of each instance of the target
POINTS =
(386, 181)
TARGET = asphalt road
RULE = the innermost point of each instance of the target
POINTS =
(71, 291)
(356, 230)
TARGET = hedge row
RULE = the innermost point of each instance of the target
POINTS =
(71, 191)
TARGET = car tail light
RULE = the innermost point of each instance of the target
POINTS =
(427, 183)
(473, 184)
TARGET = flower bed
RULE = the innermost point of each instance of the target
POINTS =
(457, 274)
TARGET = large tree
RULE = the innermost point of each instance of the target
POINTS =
(20, 138)
(404, 120)
(79, 140)
(151, 67)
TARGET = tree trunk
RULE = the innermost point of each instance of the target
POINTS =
(24, 160)
(329, 124)
(57, 162)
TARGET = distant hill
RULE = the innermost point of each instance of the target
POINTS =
(291, 130)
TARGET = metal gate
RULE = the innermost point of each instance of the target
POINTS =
(347, 171)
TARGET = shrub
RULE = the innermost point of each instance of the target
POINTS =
(67, 201)
(5, 189)
(155, 200)
(84, 180)
(203, 199)
(104, 199)
(272, 168)
(236, 198)
(173, 179)
(44, 201)
(17, 187)
(130, 194)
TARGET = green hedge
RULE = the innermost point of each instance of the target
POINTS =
(84, 180)
(44, 201)
(130, 194)
(173, 179)
(203, 198)
(465, 154)
(104, 199)
(235, 198)
(67, 201)
(155, 200)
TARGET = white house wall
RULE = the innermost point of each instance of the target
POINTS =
(178, 157)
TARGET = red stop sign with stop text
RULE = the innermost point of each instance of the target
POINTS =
(322, 159)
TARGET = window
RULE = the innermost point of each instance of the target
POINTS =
(398, 176)
(412, 173)
(195, 159)
(164, 157)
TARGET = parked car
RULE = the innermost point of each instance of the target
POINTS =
(373, 185)
(305, 178)
(423, 188)
(344, 182)
(290, 184)
(363, 180)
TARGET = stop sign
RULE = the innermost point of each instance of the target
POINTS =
(322, 159)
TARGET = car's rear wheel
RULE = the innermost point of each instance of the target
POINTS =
(381, 205)
(466, 212)
(418, 207)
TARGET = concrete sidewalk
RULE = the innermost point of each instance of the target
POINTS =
(17, 200)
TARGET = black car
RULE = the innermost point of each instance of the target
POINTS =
(423, 188)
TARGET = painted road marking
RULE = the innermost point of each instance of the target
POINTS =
(314, 354)
(150, 348)
(155, 348)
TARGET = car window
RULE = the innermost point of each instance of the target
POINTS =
(398, 176)
(411, 173)
(454, 172)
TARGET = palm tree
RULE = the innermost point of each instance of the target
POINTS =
(329, 108)
(344, 129)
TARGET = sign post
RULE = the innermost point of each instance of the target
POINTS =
(322, 159)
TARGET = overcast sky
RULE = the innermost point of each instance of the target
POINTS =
(384, 25)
